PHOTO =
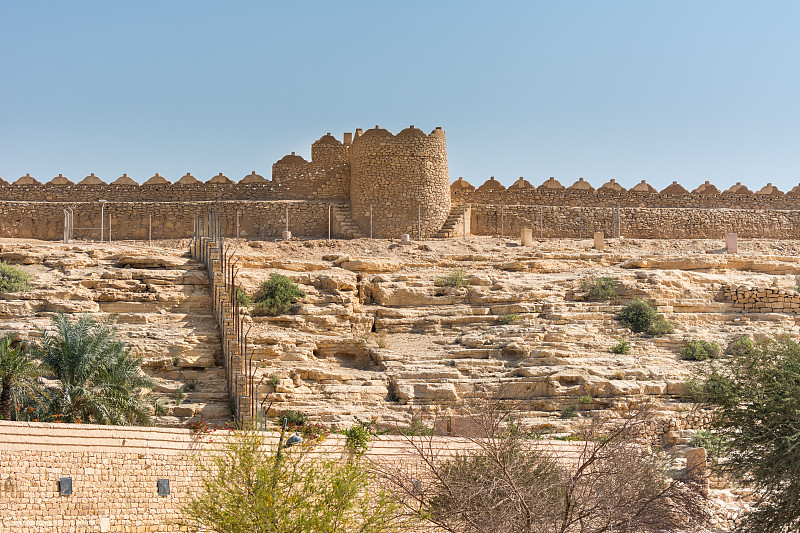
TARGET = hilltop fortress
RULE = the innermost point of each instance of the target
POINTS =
(375, 183)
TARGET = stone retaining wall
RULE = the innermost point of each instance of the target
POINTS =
(763, 300)
(115, 471)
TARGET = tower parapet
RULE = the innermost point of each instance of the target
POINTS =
(404, 179)
(327, 151)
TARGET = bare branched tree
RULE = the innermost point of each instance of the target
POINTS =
(499, 479)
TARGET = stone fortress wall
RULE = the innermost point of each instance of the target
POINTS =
(383, 185)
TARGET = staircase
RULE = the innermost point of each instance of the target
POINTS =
(343, 225)
(448, 230)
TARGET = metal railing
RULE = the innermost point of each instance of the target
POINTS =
(207, 246)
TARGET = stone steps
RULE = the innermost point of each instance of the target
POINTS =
(447, 230)
(343, 225)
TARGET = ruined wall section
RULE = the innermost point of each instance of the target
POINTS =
(762, 299)
(402, 177)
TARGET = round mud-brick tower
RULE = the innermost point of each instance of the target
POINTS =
(328, 152)
(401, 176)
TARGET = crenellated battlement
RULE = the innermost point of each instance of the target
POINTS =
(384, 184)
(612, 194)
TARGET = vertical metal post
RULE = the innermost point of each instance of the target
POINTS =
(102, 221)
(287, 217)
(330, 208)
(541, 229)
(370, 222)
(237, 224)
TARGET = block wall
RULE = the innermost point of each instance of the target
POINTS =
(115, 471)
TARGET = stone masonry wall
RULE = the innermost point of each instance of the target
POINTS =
(402, 177)
(634, 222)
(763, 300)
(312, 182)
(492, 192)
(170, 220)
(115, 471)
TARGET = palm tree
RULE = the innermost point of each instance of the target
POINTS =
(18, 372)
(99, 381)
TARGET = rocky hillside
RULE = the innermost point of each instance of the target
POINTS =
(381, 334)
(158, 299)
(378, 337)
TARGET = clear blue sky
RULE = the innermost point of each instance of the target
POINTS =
(671, 90)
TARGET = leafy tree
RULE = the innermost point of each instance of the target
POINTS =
(274, 296)
(99, 381)
(248, 488)
(18, 373)
(758, 395)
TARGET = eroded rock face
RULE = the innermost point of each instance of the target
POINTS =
(157, 298)
(518, 327)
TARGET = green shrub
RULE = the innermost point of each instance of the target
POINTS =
(741, 347)
(456, 278)
(273, 380)
(417, 428)
(298, 418)
(585, 400)
(641, 317)
(622, 347)
(508, 318)
(602, 288)
(358, 438)
(569, 412)
(660, 327)
(715, 445)
(697, 350)
(242, 297)
(13, 278)
(274, 296)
